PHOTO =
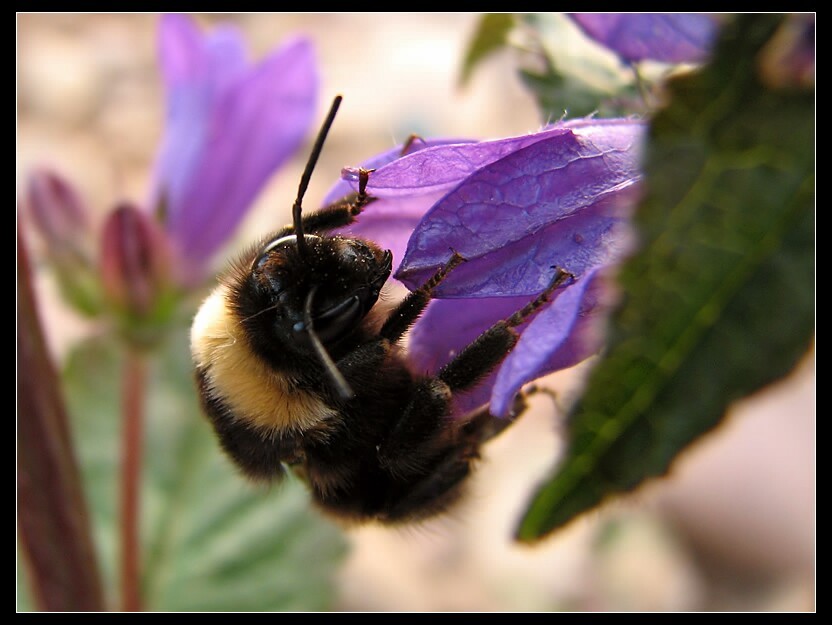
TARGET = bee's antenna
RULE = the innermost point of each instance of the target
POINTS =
(341, 384)
(307, 174)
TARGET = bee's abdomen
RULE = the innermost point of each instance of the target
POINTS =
(260, 454)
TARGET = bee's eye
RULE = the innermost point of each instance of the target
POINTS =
(334, 322)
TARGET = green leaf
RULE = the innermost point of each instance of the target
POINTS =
(560, 95)
(719, 300)
(491, 35)
(211, 541)
(569, 78)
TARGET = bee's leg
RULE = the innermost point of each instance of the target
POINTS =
(412, 306)
(362, 363)
(481, 425)
(429, 455)
(431, 492)
(359, 362)
(431, 402)
(340, 213)
(476, 360)
(412, 140)
(427, 476)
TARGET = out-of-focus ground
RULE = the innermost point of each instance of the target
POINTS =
(733, 525)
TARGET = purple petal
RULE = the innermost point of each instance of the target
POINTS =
(560, 336)
(442, 167)
(558, 202)
(389, 221)
(188, 57)
(180, 48)
(235, 141)
(349, 181)
(196, 71)
(666, 37)
(593, 236)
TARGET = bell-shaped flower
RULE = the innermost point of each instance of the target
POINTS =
(516, 209)
(230, 125)
(665, 37)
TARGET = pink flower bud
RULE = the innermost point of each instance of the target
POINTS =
(58, 213)
(135, 260)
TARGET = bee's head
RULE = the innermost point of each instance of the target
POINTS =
(323, 291)
(305, 293)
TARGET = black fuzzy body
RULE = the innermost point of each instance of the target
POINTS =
(342, 459)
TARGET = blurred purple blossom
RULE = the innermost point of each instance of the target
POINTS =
(514, 208)
(665, 37)
(230, 125)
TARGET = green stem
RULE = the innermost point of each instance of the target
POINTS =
(133, 388)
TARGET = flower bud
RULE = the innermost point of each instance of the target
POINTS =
(62, 219)
(59, 214)
(135, 261)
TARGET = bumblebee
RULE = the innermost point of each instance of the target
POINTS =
(299, 367)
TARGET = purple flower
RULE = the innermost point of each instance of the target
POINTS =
(514, 208)
(666, 37)
(230, 124)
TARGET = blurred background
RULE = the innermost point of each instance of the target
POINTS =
(732, 527)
